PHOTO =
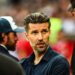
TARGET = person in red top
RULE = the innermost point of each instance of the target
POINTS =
(64, 46)
(23, 48)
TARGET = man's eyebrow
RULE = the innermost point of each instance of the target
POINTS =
(44, 29)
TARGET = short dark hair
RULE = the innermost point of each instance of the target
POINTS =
(36, 18)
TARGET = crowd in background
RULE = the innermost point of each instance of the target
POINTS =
(18, 9)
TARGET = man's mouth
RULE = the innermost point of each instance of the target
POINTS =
(41, 45)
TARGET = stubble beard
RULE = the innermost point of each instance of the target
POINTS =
(40, 50)
(11, 47)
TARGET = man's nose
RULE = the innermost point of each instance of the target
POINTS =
(40, 37)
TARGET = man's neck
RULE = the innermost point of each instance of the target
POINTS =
(38, 57)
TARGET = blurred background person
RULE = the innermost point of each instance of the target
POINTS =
(73, 61)
(9, 66)
(62, 37)
(72, 10)
(23, 47)
(71, 7)
(8, 37)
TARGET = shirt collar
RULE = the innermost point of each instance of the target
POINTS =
(48, 54)
(3, 46)
(46, 57)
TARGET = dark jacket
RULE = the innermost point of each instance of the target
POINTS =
(73, 61)
(9, 66)
(5, 51)
(51, 64)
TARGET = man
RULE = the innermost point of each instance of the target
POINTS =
(9, 66)
(72, 10)
(43, 61)
(8, 37)
(73, 54)
(73, 61)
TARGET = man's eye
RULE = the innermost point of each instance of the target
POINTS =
(34, 32)
(44, 31)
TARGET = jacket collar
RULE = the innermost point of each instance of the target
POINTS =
(46, 57)
(3, 46)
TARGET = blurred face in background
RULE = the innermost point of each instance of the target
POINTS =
(73, 12)
(71, 7)
(11, 42)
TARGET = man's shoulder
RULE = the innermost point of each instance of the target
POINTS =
(26, 60)
(55, 56)
(59, 64)
(60, 57)
(23, 61)
(2, 48)
(59, 60)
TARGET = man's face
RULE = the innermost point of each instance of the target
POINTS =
(38, 35)
(73, 12)
(12, 39)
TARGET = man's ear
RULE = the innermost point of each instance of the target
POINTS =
(26, 34)
(4, 38)
(3, 34)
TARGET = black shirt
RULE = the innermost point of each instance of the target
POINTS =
(51, 64)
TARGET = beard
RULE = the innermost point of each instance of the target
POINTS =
(41, 49)
(11, 42)
(11, 47)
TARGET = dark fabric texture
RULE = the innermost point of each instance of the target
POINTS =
(51, 64)
(73, 61)
(4, 51)
(9, 66)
